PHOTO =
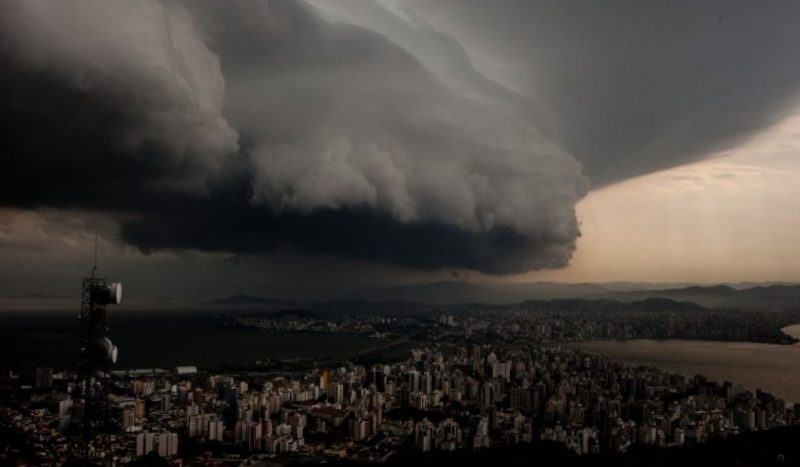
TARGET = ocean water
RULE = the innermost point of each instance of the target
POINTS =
(771, 368)
(161, 339)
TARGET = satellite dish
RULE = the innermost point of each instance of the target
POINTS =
(110, 294)
(111, 350)
(115, 293)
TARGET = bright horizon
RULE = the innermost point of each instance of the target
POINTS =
(732, 218)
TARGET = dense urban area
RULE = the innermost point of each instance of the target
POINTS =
(542, 321)
(479, 377)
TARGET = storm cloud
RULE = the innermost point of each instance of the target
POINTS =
(367, 130)
(626, 87)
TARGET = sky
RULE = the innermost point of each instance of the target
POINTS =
(291, 147)
(731, 218)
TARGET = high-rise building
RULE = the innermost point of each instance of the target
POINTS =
(324, 379)
(128, 417)
(487, 394)
(426, 383)
(216, 429)
(165, 402)
(424, 435)
(141, 409)
(298, 422)
(449, 432)
(418, 400)
(357, 428)
(145, 443)
(267, 427)
(252, 435)
(502, 370)
(64, 407)
(338, 392)
(199, 425)
(413, 380)
(167, 444)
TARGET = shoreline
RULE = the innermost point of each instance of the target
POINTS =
(773, 368)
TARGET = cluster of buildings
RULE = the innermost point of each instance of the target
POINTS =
(559, 321)
(305, 322)
(551, 321)
(468, 398)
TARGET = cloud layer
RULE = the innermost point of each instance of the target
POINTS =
(627, 87)
(367, 130)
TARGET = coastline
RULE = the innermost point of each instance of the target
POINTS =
(773, 368)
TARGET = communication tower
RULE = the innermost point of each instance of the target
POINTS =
(90, 420)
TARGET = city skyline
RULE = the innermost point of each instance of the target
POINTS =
(399, 232)
(521, 382)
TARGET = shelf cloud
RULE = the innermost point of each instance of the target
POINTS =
(372, 131)
(626, 87)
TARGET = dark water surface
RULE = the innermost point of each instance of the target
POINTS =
(771, 368)
(160, 339)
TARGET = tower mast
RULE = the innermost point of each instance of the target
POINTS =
(91, 419)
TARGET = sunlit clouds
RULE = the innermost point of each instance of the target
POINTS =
(733, 217)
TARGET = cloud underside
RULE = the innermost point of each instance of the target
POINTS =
(247, 127)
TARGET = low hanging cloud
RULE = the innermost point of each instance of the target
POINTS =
(245, 127)
(352, 147)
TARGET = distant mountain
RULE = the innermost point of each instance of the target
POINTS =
(772, 296)
(452, 292)
(413, 298)
(627, 286)
(436, 292)
(767, 296)
(552, 289)
(709, 296)
(665, 304)
(603, 305)
(242, 300)
(360, 306)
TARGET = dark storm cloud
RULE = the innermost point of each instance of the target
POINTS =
(631, 86)
(249, 126)
(354, 233)
(100, 111)
(421, 134)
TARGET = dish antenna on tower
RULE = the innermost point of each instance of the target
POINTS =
(97, 354)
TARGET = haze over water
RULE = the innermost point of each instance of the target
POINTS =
(769, 367)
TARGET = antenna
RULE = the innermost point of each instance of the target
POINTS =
(94, 268)
(89, 436)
